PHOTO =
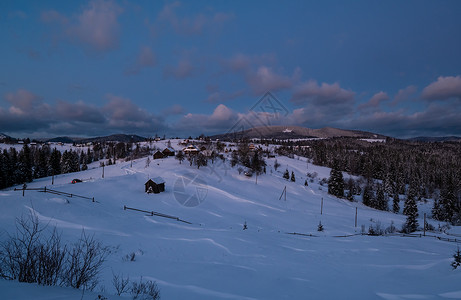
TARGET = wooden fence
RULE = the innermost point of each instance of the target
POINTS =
(157, 214)
(55, 192)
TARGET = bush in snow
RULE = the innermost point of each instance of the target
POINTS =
(145, 290)
(31, 256)
(320, 226)
(457, 259)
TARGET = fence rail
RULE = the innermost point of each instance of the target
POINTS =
(154, 213)
(55, 192)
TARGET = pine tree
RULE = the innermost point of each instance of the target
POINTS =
(336, 183)
(320, 226)
(286, 175)
(411, 210)
(456, 259)
(293, 179)
(305, 183)
(367, 196)
(381, 199)
(396, 203)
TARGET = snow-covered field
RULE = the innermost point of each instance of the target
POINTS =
(213, 258)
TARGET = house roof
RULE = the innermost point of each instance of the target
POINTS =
(169, 149)
(158, 180)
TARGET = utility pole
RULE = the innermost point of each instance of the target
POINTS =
(356, 217)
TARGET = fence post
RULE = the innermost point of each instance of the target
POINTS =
(124, 207)
(93, 199)
(321, 207)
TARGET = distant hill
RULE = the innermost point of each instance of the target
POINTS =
(435, 139)
(5, 138)
(110, 138)
(296, 132)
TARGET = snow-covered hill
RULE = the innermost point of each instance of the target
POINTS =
(213, 258)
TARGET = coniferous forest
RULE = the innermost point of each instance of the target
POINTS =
(419, 170)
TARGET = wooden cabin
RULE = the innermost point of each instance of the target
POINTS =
(155, 185)
(158, 155)
(168, 151)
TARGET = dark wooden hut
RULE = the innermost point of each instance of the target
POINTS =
(155, 185)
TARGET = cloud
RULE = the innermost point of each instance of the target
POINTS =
(96, 28)
(23, 101)
(444, 88)
(78, 111)
(191, 25)
(145, 59)
(52, 16)
(265, 79)
(374, 102)
(435, 120)
(323, 95)
(182, 70)
(220, 120)
(404, 94)
(174, 110)
(28, 114)
(217, 96)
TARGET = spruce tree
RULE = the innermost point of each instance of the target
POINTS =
(286, 175)
(396, 203)
(411, 210)
(367, 195)
(336, 183)
(293, 179)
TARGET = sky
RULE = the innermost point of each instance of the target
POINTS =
(180, 68)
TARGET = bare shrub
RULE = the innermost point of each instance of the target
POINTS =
(120, 283)
(84, 262)
(145, 290)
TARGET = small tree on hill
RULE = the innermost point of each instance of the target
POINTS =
(276, 165)
(293, 179)
(286, 175)
(456, 259)
(180, 156)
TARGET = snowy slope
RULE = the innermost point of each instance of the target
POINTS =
(213, 258)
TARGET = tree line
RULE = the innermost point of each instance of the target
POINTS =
(416, 170)
(31, 162)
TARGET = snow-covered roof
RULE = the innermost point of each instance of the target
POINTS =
(158, 180)
(169, 149)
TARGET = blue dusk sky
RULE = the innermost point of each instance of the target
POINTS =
(88, 68)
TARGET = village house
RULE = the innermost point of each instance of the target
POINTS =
(155, 185)
(168, 151)
(158, 155)
(191, 149)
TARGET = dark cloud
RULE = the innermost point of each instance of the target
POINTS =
(444, 88)
(28, 114)
(78, 111)
(435, 120)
